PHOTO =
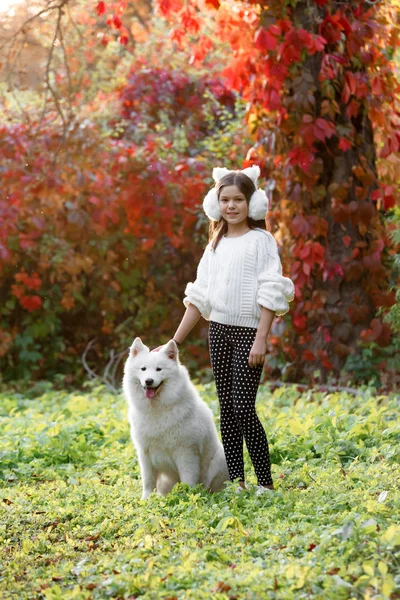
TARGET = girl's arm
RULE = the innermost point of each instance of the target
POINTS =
(259, 348)
(189, 320)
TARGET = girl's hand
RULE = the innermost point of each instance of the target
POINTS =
(257, 353)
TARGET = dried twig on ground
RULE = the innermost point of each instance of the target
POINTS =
(109, 375)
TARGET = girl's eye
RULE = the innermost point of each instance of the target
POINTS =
(159, 369)
(143, 368)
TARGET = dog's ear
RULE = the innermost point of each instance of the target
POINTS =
(171, 350)
(137, 347)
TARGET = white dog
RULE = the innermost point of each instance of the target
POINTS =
(172, 429)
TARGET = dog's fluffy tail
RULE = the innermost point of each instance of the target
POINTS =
(217, 471)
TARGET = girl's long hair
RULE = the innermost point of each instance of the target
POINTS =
(219, 228)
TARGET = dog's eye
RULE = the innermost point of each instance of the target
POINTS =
(159, 369)
(143, 368)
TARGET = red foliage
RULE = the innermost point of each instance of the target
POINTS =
(151, 92)
(101, 8)
(31, 303)
(315, 120)
(105, 233)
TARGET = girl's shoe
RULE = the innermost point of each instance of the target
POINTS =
(262, 490)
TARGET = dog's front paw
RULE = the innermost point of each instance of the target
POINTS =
(146, 494)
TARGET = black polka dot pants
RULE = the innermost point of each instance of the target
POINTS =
(237, 385)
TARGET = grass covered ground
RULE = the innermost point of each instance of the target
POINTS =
(72, 524)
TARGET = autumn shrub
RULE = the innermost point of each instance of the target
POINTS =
(160, 99)
(98, 245)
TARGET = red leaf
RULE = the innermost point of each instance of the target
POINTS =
(31, 303)
(345, 94)
(275, 30)
(346, 240)
(318, 250)
(189, 21)
(305, 252)
(101, 8)
(300, 226)
(301, 157)
(376, 329)
(352, 81)
(319, 43)
(272, 100)
(117, 21)
(388, 202)
(323, 355)
(308, 355)
(300, 321)
(305, 38)
(311, 547)
(352, 109)
(323, 129)
(213, 3)
(264, 40)
(123, 39)
(344, 144)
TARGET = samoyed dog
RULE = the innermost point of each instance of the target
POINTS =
(172, 429)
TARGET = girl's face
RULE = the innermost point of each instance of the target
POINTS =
(233, 205)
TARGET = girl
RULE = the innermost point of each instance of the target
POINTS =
(239, 288)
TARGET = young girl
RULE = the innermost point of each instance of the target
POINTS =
(239, 288)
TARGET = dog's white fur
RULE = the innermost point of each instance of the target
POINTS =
(173, 432)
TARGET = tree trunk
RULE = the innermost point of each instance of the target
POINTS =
(339, 298)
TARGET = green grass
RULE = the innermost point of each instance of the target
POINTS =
(72, 524)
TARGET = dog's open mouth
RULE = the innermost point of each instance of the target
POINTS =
(151, 391)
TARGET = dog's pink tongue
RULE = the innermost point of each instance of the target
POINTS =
(150, 392)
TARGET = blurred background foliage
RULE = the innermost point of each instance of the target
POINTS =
(100, 223)
(112, 120)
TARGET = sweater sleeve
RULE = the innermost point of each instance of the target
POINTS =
(274, 291)
(197, 292)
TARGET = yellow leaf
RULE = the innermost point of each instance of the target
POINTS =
(290, 571)
(27, 545)
(296, 427)
(391, 535)
(39, 427)
(368, 569)
(300, 581)
(382, 567)
(308, 424)
(148, 541)
(388, 586)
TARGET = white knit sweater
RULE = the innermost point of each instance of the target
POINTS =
(242, 274)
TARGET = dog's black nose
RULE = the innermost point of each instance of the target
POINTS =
(149, 382)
